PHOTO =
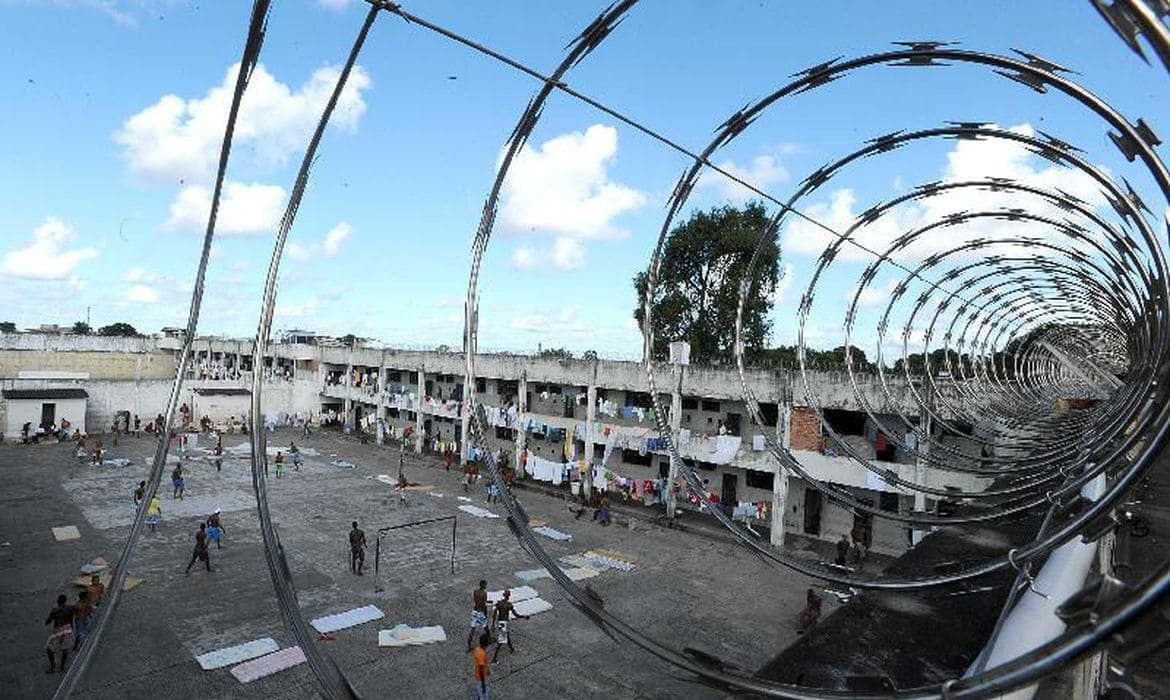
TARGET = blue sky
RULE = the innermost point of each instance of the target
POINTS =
(113, 113)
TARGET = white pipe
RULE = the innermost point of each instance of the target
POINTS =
(1033, 621)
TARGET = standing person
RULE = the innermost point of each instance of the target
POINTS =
(401, 488)
(842, 550)
(116, 431)
(96, 590)
(306, 432)
(61, 639)
(448, 457)
(177, 482)
(154, 512)
(812, 611)
(279, 464)
(857, 553)
(503, 610)
(140, 493)
(480, 670)
(479, 612)
(295, 454)
(215, 530)
(81, 614)
(200, 553)
(217, 456)
(137, 425)
(357, 549)
(97, 453)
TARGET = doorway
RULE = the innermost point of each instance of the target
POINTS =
(728, 498)
(48, 413)
(812, 511)
(863, 524)
(733, 423)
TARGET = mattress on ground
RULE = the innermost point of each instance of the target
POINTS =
(532, 606)
(349, 618)
(230, 656)
(268, 665)
(404, 636)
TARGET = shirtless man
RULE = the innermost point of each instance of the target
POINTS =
(217, 455)
(200, 552)
(215, 529)
(140, 493)
(96, 590)
(401, 488)
(357, 547)
(177, 482)
(478, 614)
(61, 640)
(82, 611)
(503, 610)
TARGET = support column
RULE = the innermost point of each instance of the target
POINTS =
(380, 423)
(675, 427)
(590, 419)
(418, 410)
(465, 419)
(780, 480)
(920, 465)
(521, 419)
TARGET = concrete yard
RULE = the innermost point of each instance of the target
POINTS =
(686, 590)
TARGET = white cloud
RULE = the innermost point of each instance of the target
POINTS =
(45, 257)
(765, 170)
(142, 293)
(563, 188)
(784, 283)
(243, 209)
(177, 139)
(568, 254)
(336, 236)
(331, 245)
(563, 321)
(523, 258)
(968, 160)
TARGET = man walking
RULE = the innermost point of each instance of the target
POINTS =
(61, 639)
(504, 609)
(177, 482)
(81, 614)
(140, 493)
(154, 512)
(479, 611)
(215, 529)
(480, 670)
(200, 553)
(357, 549)
(217, 455)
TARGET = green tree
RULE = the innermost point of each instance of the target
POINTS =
(82, 328)
(703, 263)
(556, 353)
(7, 327)
(118, 329)
(349, 340)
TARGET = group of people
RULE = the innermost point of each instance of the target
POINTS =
(850, 554)
(501, 614)
(70, 623)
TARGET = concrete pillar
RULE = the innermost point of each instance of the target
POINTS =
(380, 438)
(521, 418)
(920, 466)
(780, 480)
(590, 419)
(465, 418)
(675, 427)
(418, 410)
(347, 407)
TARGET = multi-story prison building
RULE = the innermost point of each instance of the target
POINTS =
(550, 411)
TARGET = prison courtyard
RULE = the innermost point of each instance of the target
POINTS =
(708, 594)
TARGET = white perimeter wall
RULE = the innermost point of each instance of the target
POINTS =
(21, 411)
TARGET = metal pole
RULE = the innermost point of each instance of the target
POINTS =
(454, 524)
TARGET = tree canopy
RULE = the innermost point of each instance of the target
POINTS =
(7, 327)
(555, 353)
(82, 328)
(118, 329)
(703, 264)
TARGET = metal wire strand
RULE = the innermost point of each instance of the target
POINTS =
(251, 54)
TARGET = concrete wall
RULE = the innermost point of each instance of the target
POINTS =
(21, 411)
